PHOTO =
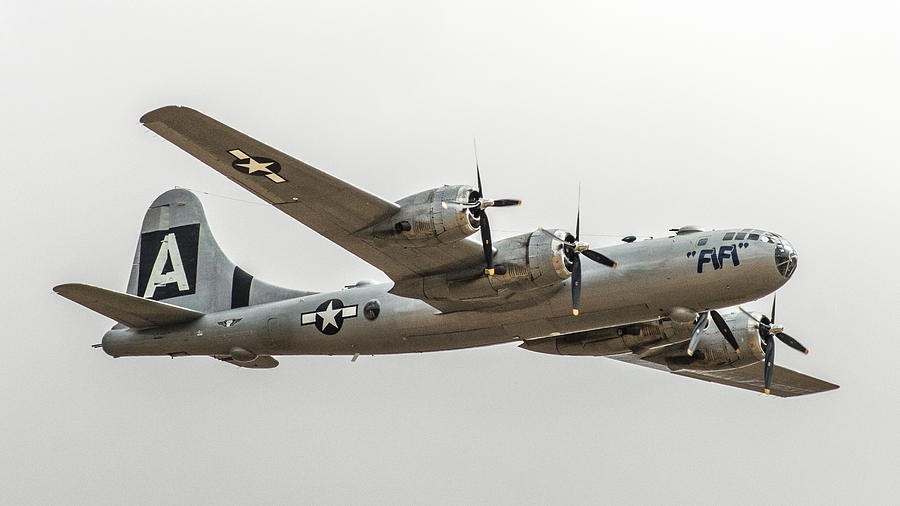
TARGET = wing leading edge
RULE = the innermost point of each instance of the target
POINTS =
(335, 209)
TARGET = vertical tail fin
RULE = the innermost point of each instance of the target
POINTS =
(178, 261)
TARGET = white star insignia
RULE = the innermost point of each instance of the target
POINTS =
(328, 316)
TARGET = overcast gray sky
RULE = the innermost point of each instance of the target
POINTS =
(778, 115)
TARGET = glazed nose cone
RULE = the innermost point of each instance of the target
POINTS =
(785, 258)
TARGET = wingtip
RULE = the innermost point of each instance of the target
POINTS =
(65, 288)
(574, 312)
(155, 114)
(767, 391)
(161, 113)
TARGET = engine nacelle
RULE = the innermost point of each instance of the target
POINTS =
(611, 340)
(533, 260)
(432, 217)
(524, 262)
(714, 353)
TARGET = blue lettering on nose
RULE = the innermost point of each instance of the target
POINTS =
(728, 252)
(717, 257)
(707, 256)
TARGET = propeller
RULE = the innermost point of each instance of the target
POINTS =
(768, 330)
(702, 321)
(573, 251)
(478, 205)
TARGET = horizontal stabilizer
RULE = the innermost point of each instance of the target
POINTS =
(129, 310)
(260, 362)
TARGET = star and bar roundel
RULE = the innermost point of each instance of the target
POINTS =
(329, 316)
(256, 165)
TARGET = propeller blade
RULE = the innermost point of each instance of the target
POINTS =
(793, 343)
(752, 317)
(723, 328)
(507, 202)
(486, 244)
(773, 309)
(770, 363)
(599, 258)
(467, 205)
(478, 174)
(481, 204)
(695, 335)
(576, 284)
(569, 244)
(578, 219)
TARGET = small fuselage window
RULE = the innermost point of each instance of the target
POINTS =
(703, 241)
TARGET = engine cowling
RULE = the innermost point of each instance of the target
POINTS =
(714, 353)
(534, 260)
(524, 262)
(432, 217)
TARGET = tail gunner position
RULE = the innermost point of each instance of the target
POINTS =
(652, 303)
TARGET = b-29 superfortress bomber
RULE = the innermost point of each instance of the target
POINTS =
(652, 302)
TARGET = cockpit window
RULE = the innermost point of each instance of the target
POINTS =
(729, 236)
(753, 237)
(740, 236)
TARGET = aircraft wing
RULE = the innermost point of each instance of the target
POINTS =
(785, 382)
(324, 203)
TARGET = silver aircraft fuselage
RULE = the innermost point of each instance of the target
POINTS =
(700, 270)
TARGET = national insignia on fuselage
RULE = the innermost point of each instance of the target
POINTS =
(329, 316)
